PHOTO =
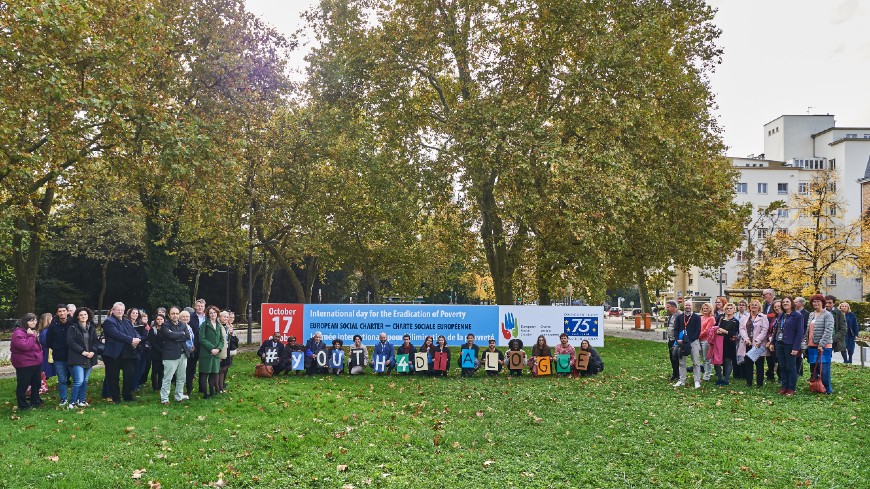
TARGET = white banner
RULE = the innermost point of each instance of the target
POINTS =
(528, 322)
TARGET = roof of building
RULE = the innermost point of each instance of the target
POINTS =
(851, 140)
(799, 115)
(841, 129)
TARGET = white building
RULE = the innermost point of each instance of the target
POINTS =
(795, 147)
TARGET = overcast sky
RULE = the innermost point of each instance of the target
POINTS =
(781, 57)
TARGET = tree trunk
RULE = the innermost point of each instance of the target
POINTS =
(268, 277)
(196, 285)
(241, 292)
(311, 271)
(160, 262)
(643, 290)
(501, 257)
(25, 256)
(103, 269)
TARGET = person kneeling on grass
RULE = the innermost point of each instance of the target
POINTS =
(406, 348)
(595, 363)
(463, 352)
(492, 349)
(337, 345)
(516, 345)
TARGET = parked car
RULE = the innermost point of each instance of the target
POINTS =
(614, 312)
(633, 313)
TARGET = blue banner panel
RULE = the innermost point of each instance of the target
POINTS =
(454, 322)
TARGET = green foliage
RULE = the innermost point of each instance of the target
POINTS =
(396, 431)
(861, 310)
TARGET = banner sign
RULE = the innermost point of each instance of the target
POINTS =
(454, 322)
(528, 322)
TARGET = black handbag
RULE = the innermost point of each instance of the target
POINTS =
(100, 346)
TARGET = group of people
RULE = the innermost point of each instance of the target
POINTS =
(314, 357)
(172, 346)
(742, 339)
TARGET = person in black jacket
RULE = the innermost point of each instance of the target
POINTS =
(81, 339)
(469, 351)
(120, 354)
(271, 351)
(173, 335)
(155, 351)
(441, 347)
(314, 345)
(197, 318)
(499, 362)
(55, 338)
(406, 348)
(687, 330)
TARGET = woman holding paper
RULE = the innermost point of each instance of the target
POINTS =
(357, 365)
(753, 333)
(819, 340)
(595, 363)
(539, 350)
(441, 347)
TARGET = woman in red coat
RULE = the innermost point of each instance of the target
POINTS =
(26, 356)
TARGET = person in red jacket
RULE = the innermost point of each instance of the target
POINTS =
(26, 356)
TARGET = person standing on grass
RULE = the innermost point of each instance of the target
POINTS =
(799, 306)
(120, 354)
(820, 341)
(231, 343)
(155, 350)
(788, 336)
(25, 353)
(211, 340)
(767, 310)
(42, 327)
(852, 330)
(82, 355)
(196, 319)
(753, 332)
(719, 308)
(729, 331)
(671, 308)
(55, 338)
(687, 331)
(715, 343)
(708, 321)
(839, 339)
(174, 336)
(143, 365)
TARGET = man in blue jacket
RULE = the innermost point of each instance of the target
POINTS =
(55, 338)
(120, 353)
(687, 330)
(384, 347)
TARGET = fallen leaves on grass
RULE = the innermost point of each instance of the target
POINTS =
(137, 474)
(53, 458)
(341, 468)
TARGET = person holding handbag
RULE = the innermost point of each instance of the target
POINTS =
(787, 338)
(729, 330)
(820, 341)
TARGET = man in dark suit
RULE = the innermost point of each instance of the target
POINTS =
(671, 307)
(315, 345)
(120, 353)
(799, 303)
(687, 331)
(197, 318)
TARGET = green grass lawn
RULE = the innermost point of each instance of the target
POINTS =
(626, 428)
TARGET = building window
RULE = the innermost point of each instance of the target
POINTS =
(867, 136)
(782, 232)
(762, 188)
(762, 233)
(740, 257)
(851, 136)
(832, 280)
(759, 255)
(833, 163)
(782, 213)
(691, 280)
(741, 188)
(782, 188)
(832, 210)
(803, 188)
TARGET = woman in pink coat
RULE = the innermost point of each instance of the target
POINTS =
(753, 333)
(709, 323)
(26, 356)
(708, 332)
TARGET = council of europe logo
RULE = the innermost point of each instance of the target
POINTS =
(581, 325)
(510, 328)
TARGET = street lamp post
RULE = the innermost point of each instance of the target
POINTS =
(250, 278)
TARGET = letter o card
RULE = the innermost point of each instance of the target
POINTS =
(439, 361)
(544, 366)
(421, 362)
(322, 360)
(515, 360)
(583, 359)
